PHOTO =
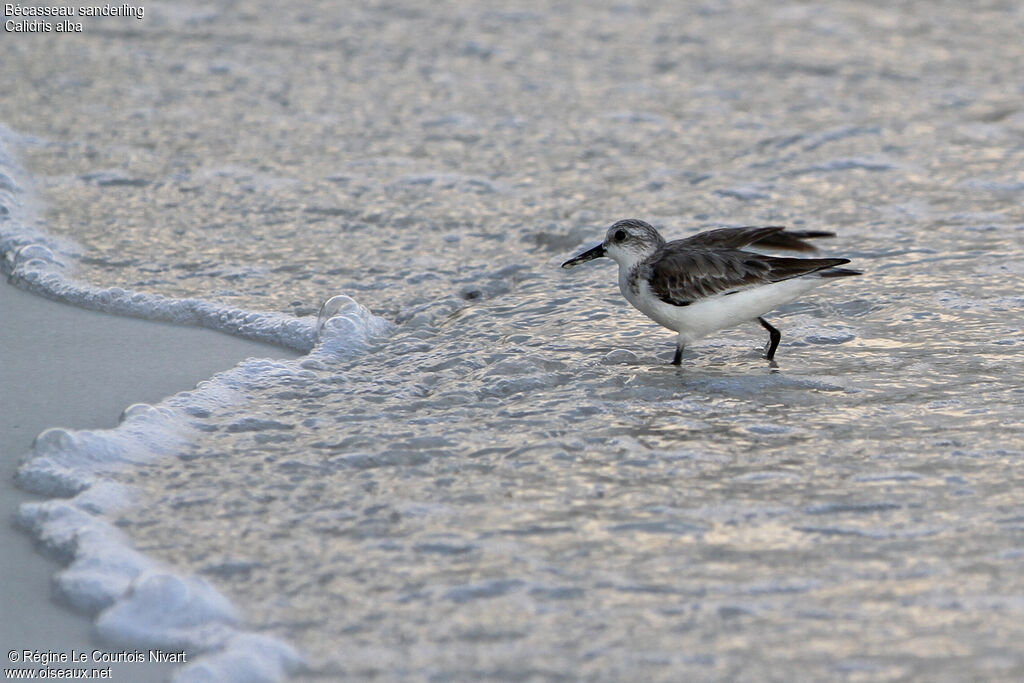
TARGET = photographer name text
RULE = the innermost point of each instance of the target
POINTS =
(47, 657)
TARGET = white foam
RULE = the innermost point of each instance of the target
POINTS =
(63, 463)
(161, 609)
(245, 658)
(139, 601)
(103, 567)
(20, 241)
(344, 327)
(102, 562)
(44, 265)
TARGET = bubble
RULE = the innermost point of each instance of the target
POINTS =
(136, 410)
(619, 357)
(33, 251)
(53, 439)
(331, 308)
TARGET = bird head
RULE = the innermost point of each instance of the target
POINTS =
(626, 242)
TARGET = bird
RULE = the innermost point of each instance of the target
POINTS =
(707, 282)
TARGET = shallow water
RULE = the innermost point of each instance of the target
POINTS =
(512, 482)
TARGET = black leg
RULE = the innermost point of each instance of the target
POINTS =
(773, 339)
(678, 358)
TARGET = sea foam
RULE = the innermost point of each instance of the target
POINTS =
(44, 265)
(137, 600)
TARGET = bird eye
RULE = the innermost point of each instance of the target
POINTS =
(620, 235)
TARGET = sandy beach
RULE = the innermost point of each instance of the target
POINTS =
(485, 467)
(67, 367)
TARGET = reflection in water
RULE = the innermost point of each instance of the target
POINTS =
(512, 482)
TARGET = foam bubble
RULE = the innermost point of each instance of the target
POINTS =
(33, 252)
(139, 601)
(44, 265)
(245, 658)
(63, 463)
(161, 609)
(344, 327)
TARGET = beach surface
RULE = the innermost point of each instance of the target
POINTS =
(63, 366)
(485, 467)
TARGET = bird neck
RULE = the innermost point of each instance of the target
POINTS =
(629, 259)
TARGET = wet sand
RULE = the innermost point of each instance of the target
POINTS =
(63, 366)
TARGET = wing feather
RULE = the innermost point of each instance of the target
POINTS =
(730, 238)
(769, 236)
(680, 275)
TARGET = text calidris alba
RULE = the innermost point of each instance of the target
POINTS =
(707, 282)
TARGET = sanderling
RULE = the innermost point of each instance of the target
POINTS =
(706, 282)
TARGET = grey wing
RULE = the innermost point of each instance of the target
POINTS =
(770, 237)
(729, 238)
(682, 276)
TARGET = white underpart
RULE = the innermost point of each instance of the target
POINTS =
(713, 313)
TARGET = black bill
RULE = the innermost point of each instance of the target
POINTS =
(589, 254)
